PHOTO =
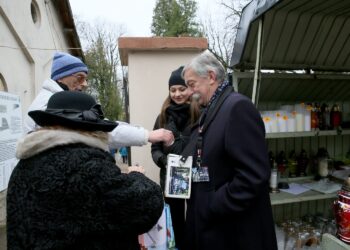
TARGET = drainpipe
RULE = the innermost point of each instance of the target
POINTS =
(126, 109)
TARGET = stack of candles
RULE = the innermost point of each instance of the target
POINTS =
(288, 118)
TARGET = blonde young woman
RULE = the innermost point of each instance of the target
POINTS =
(177, 115)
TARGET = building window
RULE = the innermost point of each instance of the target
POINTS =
(35, 11)
(3, 86)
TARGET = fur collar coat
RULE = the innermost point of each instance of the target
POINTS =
(67, 193)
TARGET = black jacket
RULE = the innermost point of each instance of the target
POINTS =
(181, 134)
(232, 211)
(74, 197)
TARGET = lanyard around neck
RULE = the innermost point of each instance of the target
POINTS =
(206, 118)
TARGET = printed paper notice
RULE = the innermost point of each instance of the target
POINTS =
(10, 131)
(295, 188)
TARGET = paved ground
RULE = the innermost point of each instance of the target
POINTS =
(2, 238)
(2, 220)
(120, 164)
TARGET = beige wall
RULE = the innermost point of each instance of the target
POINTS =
(23, 67)
(149, 72)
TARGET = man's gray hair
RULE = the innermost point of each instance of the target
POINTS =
(205, 62)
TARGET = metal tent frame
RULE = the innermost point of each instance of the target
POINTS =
(299, 48)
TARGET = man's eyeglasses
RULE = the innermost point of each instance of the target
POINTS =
(81, 78)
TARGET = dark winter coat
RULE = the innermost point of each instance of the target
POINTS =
(178, 122)
(67, 193)
(233, 210)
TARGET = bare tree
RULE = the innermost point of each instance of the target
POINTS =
(233, 11)
(220, 41)
(221, 32)
(101, 55)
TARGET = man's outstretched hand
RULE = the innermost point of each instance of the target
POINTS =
(161, 135)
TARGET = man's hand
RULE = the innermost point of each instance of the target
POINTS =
(161, 135)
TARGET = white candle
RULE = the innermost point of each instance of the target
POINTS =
(291, 122)
(307, 117)
(299, 117)
(282, 121)
(323, 167)
(273, 179)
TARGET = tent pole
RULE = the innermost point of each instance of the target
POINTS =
(257, 72)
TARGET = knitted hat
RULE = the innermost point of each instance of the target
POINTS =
(73, 109)
(176, 78)
(64, 64)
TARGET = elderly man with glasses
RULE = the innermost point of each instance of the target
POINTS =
(69, 73)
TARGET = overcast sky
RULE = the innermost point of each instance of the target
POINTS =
(135, 15)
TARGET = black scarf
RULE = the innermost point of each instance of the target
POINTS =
(180, 114)
(212, 101)
(63, 86)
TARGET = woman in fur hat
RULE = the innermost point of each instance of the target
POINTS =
(66, 191)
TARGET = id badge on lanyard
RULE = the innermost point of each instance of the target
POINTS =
(200, 173)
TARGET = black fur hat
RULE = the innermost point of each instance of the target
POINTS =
(73, 109)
